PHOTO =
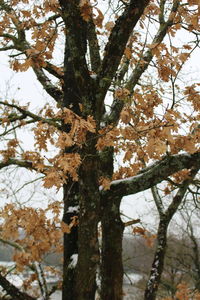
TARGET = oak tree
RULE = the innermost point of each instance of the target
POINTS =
(116, 90)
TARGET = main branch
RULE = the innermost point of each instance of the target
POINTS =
(116, 45)
(20, 163)
(152, 175)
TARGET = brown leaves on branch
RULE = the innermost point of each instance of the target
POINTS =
(62, 165)
(193, 95)
(91, 12)
(32, 230)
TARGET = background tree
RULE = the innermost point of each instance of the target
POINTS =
(115, 90)
(186, 261)
(165, 215)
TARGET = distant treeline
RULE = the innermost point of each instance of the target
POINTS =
(136, 254)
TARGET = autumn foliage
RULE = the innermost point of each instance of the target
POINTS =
(118, 86)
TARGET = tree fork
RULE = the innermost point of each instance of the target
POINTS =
(158, 262)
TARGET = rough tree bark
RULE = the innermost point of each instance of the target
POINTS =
(77, 90)
(111, 251)
(88, 247)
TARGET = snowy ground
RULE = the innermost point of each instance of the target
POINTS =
(130, 292)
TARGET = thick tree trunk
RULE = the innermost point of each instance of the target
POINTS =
(111, 264)
(74, 94)
(88, 247)
(112, 235)
(71, 209)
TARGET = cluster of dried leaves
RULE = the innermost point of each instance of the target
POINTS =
(150, 125)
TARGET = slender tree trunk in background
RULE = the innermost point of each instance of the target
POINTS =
(71, 202)
(111, 262)
(165, 218)
(158, 262)
(195, 256)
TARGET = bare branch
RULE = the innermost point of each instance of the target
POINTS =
(123, 69)
(50, 88)
(157, 200)
(27, 113)
(17, 162)
(13, 128)
(7, 48)
(161, 15)
(12, 244)
(181, 192)
(129, 223)
(53, 70)
(13, 118)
